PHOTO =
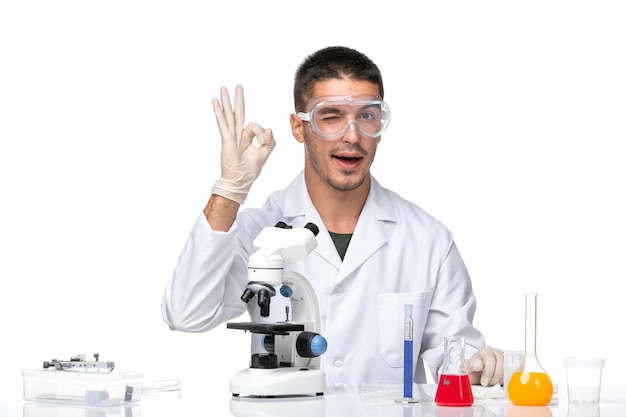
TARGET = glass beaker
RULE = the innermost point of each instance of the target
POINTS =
(530, 384)
(454, 389)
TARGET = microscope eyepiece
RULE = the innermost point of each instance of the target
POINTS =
(282, 225)
(313, 228)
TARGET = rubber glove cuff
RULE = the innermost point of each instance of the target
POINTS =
(232, 189)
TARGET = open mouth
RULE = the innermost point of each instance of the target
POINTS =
(349, 159)
(348, 162)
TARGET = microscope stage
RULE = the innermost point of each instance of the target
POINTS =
(267, 328)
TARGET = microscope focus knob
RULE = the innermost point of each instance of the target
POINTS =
(311, 345)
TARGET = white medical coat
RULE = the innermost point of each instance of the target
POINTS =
(398, 255)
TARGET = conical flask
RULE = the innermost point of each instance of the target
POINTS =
(530, 384)
(454, 389)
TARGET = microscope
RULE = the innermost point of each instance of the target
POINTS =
(290, 365)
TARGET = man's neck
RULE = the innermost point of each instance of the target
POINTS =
(339, 210)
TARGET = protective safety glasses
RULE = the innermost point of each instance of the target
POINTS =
(332, 116)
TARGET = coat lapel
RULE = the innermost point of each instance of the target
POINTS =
(371, 232)
(369, 236)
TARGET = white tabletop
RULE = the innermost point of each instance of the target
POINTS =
(342, 403)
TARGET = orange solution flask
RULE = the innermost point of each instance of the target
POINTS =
(530, 384)
(454, 388)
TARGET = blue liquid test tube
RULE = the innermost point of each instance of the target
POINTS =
(408, 351)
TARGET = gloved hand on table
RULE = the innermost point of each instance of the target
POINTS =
(241, 160)
(486, 367)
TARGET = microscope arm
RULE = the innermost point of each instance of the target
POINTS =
(303, 301)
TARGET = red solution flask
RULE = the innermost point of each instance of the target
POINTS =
(454, 388)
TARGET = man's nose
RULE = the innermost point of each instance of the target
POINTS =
(352, 133)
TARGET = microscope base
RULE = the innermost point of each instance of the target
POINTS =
(278, 382)
(278, 407)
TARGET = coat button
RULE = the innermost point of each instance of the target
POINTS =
(338, 290)
(338, 363)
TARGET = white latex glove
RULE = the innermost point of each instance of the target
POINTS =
(241, 160)
(486, 366)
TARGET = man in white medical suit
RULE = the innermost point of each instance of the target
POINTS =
(376, 251)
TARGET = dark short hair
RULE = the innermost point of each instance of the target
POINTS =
(333, 62)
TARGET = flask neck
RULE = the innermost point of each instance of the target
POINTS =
(454, 356)
(531, 324)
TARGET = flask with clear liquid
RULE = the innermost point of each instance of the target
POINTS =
(454, 388)
(530, 384)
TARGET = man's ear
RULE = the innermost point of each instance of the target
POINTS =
(297, 128)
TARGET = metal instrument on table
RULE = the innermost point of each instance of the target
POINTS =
(80, 363)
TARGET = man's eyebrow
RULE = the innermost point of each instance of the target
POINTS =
(329, 109)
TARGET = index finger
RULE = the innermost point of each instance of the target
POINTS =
(223, 111)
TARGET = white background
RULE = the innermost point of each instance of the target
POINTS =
(508, 126)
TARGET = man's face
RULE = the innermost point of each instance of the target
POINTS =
(343, 163)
